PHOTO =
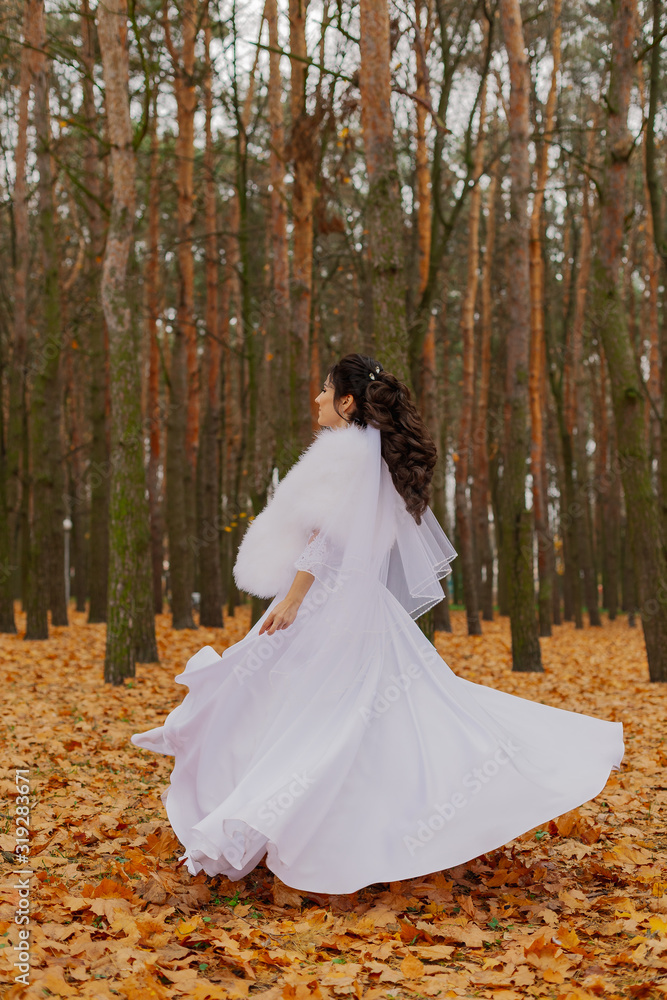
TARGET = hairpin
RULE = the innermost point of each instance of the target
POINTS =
(371, 375)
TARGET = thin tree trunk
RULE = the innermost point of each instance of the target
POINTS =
(517, 526)
(480, 491)
(654, 182)
(279, 325)
(208, 470)
(75, 407)
(575, 423)
(129, 578)
(303, 195)
(47, 582)
(16, 484)
(183, 381)
(427, 389)
(441, 615)
(463, 509)
(652, 328)
(384, 215)
(537, 347)
(152, 280)
(645, 534)
(99, 410)
(232, 365)
(612, 509)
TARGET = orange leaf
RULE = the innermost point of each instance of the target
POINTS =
(412, 968)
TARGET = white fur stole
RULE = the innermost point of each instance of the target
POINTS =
(315, 491)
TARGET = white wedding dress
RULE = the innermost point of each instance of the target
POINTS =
(343, 748)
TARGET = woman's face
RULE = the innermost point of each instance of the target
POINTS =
(327, 416)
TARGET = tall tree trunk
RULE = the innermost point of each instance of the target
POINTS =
(241, 365)
(47, 581)
(279, 323)
(517, 526)
(232, 365)
(441, 616)
(612, 509)
(183, 381)
(303, 195)
(208, 466)
(153, 400)
(16, 477)
(129, 577)
(645, 530)
(427, 389)
(659, 231)
(537, 346)
(75, 425)
(575, 423)
(384, 214)
(463, 507)
(480, 490)
(99, 410)
(652, 326)
(566, 395)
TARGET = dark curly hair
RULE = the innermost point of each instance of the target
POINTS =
(383, 401)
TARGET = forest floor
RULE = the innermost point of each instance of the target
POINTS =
(574, 910)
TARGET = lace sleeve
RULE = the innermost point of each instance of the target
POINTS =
(316, 553)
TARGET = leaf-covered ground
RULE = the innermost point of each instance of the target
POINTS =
(577, 909)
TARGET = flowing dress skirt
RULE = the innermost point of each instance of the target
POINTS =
(348, 752)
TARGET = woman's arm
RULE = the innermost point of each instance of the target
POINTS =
(285, 612)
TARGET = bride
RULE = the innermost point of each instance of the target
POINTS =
(332, 739)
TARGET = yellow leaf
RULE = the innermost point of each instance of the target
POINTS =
(567, 939)
(658, 925)
(187, 927)
(412, 968)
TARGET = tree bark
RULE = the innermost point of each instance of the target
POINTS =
(129, 577)
(153, 401)
(47, 581)
(427, 389)
(384, 214)
(480, 490)
(279, 323)
(645, 530)
(182, 424)
(303, 196)
(463, 507)
(537, 345)
(208, 466)
(99, 408)
(659, 232)
(15, 476)
(517, 526)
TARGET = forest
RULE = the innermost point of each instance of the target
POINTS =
(205, 204)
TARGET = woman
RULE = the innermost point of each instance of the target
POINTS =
(333, 738)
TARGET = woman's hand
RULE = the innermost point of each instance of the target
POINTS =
(282, 616)
(286, 610)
